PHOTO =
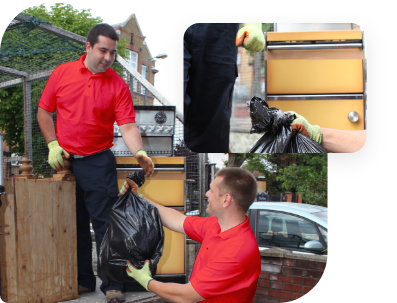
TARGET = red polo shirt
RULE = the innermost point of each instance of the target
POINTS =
(87, 106)
(228, 264)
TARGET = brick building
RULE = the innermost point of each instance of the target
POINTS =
(138, 52)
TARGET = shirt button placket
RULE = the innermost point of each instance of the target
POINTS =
(88, 88)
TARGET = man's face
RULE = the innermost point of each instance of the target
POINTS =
(214, 199)
(101, 56)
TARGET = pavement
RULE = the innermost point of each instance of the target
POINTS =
(131, 296)
(240, 140)
(99, 297)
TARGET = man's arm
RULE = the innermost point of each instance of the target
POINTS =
(174, 292)
(333, 140)
(56, 152)
(343, 141)
(132, 137)
(46, 124)
(170, 218)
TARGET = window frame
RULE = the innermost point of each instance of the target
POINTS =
(134, 81)
(132, 61)
(316, 226)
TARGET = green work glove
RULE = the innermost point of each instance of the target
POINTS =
(142, 276)
(314, 131)
(145, 162)
(251, 37)
(134, 188)
(55, 155)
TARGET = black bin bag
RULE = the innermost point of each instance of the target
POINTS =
(276, 126)
(134, 234)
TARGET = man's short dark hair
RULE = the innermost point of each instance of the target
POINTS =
(102, 29)
(240, 183)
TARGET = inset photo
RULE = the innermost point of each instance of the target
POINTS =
(275, 87)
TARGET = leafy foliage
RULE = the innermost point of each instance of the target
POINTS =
(11, 118)
(305, 174)
(268, 164)
(308, 178)
(73, 20)
(66, 17)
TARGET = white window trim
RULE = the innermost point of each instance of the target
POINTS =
(143, 73)
(133, 61)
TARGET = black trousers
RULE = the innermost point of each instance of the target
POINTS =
(210, 70)
(96, 193)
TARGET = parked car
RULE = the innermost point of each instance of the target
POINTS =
(294, 226)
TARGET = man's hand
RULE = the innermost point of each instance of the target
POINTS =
(142, 276)
(134, 181)
(145, 162)
(251, 37)
(314, 131)
(55, 155)
(130, 184)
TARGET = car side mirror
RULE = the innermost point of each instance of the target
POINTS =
(314, 246)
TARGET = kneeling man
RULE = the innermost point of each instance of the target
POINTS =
(228, 264)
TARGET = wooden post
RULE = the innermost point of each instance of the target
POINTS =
(64, 174)
(26, 168)
(38, 245)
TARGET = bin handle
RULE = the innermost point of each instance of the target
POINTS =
(315, 46)
(156, 169)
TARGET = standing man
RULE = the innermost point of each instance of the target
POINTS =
(228, 264)
(210, 70)
(89, 97)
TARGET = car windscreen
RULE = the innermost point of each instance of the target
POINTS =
(322, 214)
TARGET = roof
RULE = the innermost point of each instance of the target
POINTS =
(122, 24)
(304, 210)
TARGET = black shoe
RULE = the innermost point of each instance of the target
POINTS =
(115, 296)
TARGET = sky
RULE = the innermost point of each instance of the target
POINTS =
(217, 158)
(164, 25)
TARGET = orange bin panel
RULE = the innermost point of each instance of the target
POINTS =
(173, 259)
(315, 35)
(315, 71)
(166, 188)
(326, 113)
(163, 187)
(317, 76)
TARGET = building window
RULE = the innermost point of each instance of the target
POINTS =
(144, 76)
(133, 61)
